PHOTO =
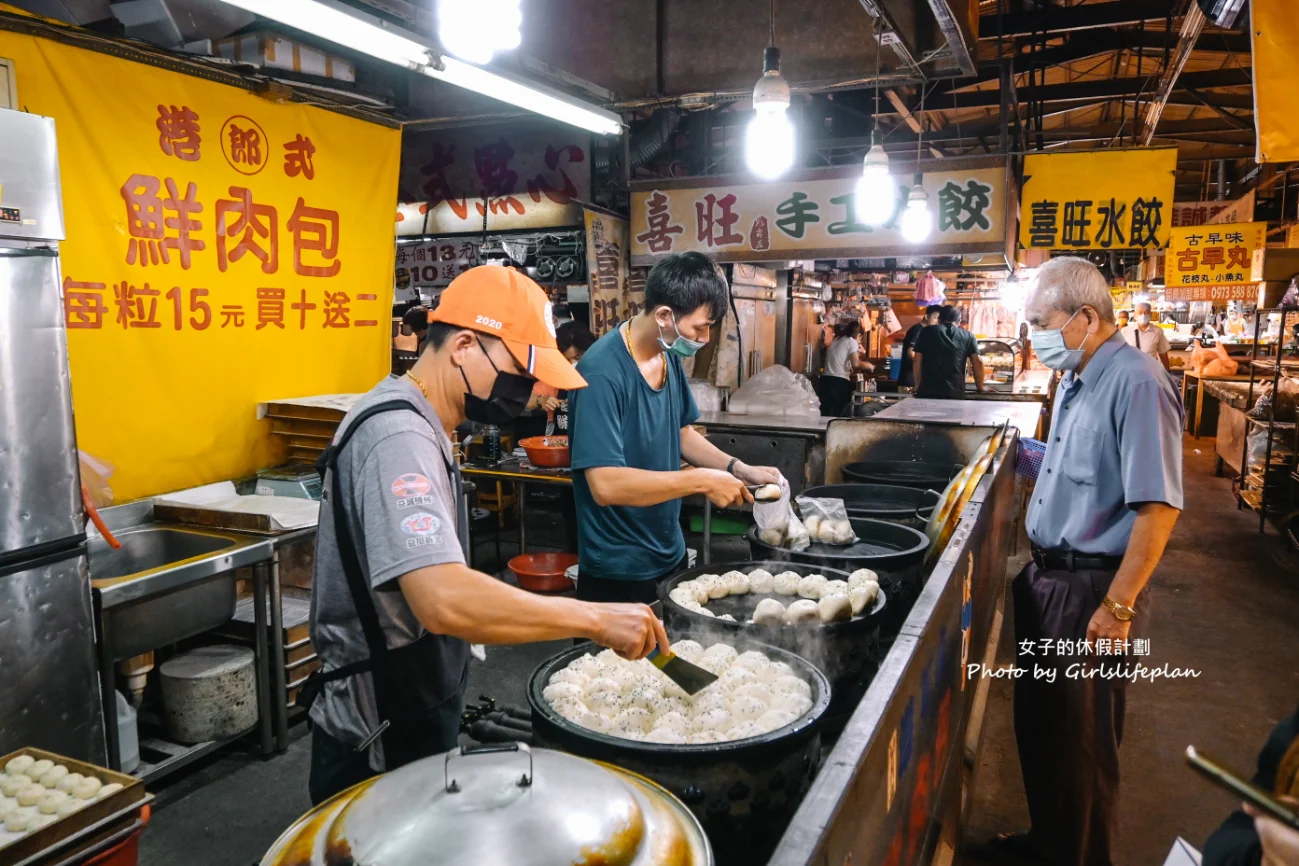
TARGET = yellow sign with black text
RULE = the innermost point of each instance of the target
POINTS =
(1212, 255)
(222, 250)
(1098, 200)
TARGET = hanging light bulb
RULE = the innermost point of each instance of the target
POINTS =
(917, 221)
(769, 140)
(474, 30)
(876, 191)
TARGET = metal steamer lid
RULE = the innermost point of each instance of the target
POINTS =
(497, 804)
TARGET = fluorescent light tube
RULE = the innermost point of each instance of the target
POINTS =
(368, 35)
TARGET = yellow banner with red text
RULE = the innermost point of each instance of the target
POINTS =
(222, 249)
(1212, 255)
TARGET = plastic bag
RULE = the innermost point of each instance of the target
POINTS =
(826, 520)
(94, 478)
(776, 390)
(778, 525)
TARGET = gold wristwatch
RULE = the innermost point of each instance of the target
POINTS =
(1121, 612)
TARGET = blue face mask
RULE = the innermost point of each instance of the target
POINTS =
(681, 346)
(1050, 347)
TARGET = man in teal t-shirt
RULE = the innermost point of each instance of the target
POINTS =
(629, 431)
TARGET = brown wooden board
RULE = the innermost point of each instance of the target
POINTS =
(261, 524)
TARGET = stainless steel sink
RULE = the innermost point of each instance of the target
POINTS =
(166, 582)
(151, 548)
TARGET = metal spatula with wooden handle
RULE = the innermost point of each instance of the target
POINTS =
(692, 678)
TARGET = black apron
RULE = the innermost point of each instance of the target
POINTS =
(418, 698)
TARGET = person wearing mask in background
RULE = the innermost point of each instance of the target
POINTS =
(394, 607)
(630, 431)
(562, 314)
(1245, 838)
(907, 377)
(414, 325)
(940, 357)
(1124, 321)
(1148, 337)
(843, 360)
(1107, 497)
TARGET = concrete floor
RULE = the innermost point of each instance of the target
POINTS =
(1226, 603)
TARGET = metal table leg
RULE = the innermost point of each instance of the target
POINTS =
(264, 720)
(522, 492)
(108, 690)
(279, 693)
(708, 532)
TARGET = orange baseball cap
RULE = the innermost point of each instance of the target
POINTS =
(504, 303)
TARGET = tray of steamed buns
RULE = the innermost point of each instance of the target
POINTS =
(48, 801)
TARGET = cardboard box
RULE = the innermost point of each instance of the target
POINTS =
(1274, 263)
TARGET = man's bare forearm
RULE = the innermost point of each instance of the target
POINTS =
(915, 370)
(455, 600)
(1150, 533)
(979, 372)
(623, 485)
(698, 451)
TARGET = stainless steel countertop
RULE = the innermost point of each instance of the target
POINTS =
(1021, 414)
(796, 423)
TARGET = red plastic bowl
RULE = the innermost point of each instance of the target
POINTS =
(550, 452)
(543, 572)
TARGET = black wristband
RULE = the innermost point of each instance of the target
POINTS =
(730, 467)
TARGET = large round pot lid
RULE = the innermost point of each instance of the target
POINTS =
(497, 806)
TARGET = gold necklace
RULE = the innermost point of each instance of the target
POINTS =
(626, 338)
(418, 383)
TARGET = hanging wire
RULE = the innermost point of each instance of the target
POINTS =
(879, 49)
(920, 122)
(771, 23)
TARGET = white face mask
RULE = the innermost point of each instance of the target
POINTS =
(1143, 319)
(1051, 349)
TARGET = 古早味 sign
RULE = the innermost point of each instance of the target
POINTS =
(222, 250)
(1213, 255)
(1097, 200)
(813, 214)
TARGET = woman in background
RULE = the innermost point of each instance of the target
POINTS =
(843, 360)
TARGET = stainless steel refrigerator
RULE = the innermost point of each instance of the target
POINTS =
(49, 687)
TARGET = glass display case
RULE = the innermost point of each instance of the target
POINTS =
(1002, 361)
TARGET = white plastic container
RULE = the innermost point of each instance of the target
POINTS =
(128, 735)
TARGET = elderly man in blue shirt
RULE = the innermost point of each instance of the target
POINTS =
(1106, 499)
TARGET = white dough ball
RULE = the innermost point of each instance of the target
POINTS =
(677, 703)
(569, 675)
(792, 684)
(683, 596)
(743, 731)
(718, 587)
(17, 822)
(38, 769)
(604, 697)
(562, 690)
(31, 795)
(609, 658)
(648, 698)
(587, 664)
(773, 720)
(7, 805)
(110, 789)
(734, 677)
(792, 703)
(626, 733)
(863, 597)
(834, 608)
(52, 776)
(782, 669)
(673, 721)
(68, 806)
(87, 788)
(625, 677)
(49, 804)
(769, 612)
(706, 612)
(753, 660)
(688, 649)
(797, 538)
(737, 583)
(698, 737)
(667, 737)
(712, 720)
(70, 781)
(812, 586)
(13, 784)
(566, 707)
(844, 533)
(771, 536)
(18, 765)
(760, 580)
(746, 709)
(834, 587)
(812, 523)
(825, 533)
(786, 583)
(803, 610)
(710, 699)
(861, 576)
(723, 652)
(633, 717)
(757, 690)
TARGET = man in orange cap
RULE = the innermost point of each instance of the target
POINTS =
(394, 607)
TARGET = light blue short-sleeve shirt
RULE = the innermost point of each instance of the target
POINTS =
(1115, 443)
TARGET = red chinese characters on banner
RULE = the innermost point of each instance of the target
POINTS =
(437, 188)
(658, 216)
(540, 185)
(156, 225)
(83, 304)
(315, 230)
(178, 132)
(497, 182)
(270, 308)
(252, 227)
(243, 144)
(715, 219)
(297, 157)
(136, 307)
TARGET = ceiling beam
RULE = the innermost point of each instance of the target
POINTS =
(910, 119)
(903, 135)
(1112, 88)
(1064, 19)
(1192, 25)
(1217, 108)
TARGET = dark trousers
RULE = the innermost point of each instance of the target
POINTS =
(836, 395)
(335, 766)
(1069, 731)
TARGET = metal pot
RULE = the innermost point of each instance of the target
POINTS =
(905, 473)
(743, 792)
(895, 552)
(910, 506)
(497, 804)
(847, 652)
